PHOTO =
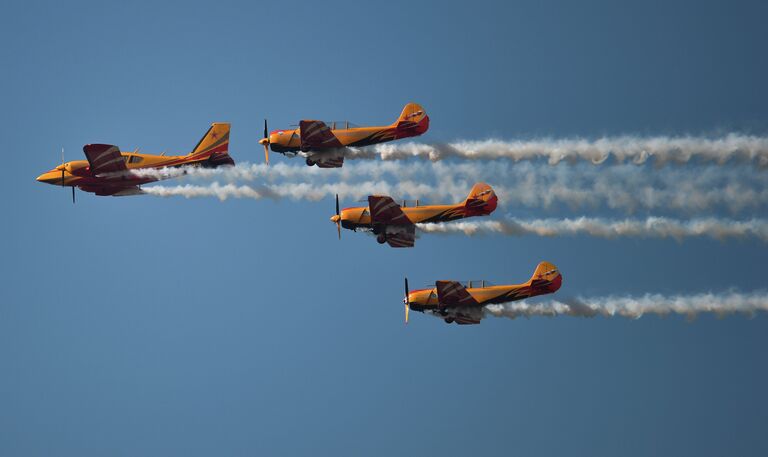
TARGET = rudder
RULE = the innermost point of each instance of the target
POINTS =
(215, 140)
(482, 200)
(547, 277)
(215, 146)
(413, 121)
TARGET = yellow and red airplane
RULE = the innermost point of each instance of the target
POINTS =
(453, 302)
(324, 145)
(396, 224)
(108, 171)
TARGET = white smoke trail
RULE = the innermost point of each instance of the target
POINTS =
(693, 189)
(282, 171)
(651, 227)
(294, 191)
(635, 307)
(638, 150)
(623, 187)
(239, 172)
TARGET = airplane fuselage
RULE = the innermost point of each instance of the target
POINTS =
(78, 173)
(289, 141)
(360, 217)
(426, 299)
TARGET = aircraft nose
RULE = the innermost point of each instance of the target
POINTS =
(50, 177)
(335, 218)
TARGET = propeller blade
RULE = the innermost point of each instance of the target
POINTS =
(407, 301)
(73, 195)
(338, 217)
(407, 308)
(62, 166)
(265, 142)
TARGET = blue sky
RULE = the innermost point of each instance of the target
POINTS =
(147, 326)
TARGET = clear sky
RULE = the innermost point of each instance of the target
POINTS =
(155, 327)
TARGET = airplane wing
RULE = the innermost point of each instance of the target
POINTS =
(463, 319)
(400, 231)
(115, 191)
(317, 135)
(452, 294)
(104, 158)
(402, 237)
(384, 211)
(327, 162)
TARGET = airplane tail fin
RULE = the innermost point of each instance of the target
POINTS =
(482, 200)
(413, 121)
(215, 145)
(546, 278)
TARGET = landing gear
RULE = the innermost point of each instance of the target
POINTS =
(381, 238)
(448, 320)
(310, 162)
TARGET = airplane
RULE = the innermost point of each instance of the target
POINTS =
(453, 302)
(396, 225)
(324, 145)
(109, 171)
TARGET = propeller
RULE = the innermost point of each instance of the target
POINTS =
(407, 301)
(338, 216)
(265, 142)
(63, 168)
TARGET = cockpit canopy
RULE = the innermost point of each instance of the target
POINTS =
(132, 158)
(338, 125)
(409, 203)
(475, 283)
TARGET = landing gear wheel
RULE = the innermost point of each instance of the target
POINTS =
(448, 320)
(310, 162)
(381, 238)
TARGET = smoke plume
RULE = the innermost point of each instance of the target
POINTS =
(635, 149)
(635, 307)
(651, 227)
(626, 188)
